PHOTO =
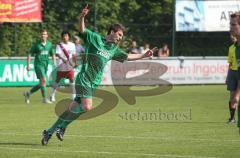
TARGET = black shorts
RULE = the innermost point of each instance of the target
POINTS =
(232, 80)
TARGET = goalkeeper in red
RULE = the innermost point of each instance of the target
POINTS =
(98, 51)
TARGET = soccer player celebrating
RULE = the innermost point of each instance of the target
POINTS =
(41, 51)
(66, 52)
(98, 51)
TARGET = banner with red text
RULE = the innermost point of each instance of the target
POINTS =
(20, 11)
(177, 71)
(142, 72)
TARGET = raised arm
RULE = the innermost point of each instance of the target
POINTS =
(82, 23)
(140, 56)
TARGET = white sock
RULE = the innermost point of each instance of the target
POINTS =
(54, 89)
(72, 86)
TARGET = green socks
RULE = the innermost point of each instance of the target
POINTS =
(66, 118)
(43, 90)
(34, 89)
(73, 116)
(54, 126)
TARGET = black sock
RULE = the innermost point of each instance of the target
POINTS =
(232, 111)
(229, 105)
(232, 114)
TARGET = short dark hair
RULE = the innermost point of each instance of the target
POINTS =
(236, 15)
(165, 44)
(65, 33)
(44, 30)
(115, 28)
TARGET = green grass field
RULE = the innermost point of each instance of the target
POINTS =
(192, 125)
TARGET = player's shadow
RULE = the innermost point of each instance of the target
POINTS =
(19, 144)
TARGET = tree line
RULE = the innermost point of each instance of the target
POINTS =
(148, 21)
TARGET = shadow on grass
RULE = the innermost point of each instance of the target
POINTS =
(19, 144)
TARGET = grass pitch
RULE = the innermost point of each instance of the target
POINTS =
(186, 122)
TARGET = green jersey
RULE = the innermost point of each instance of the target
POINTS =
(41, 52)
(97, 53)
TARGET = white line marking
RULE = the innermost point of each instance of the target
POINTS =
(127, 137)
(106, 153)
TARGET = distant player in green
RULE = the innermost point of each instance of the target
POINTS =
(98, 51)
(41, 50)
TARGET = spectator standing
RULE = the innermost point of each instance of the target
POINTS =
(164, 51)
(144, 48)
(133, 48)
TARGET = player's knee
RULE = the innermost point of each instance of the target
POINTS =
(87, 107)
(43, 82)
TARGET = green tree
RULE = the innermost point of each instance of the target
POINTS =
(148, 21)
